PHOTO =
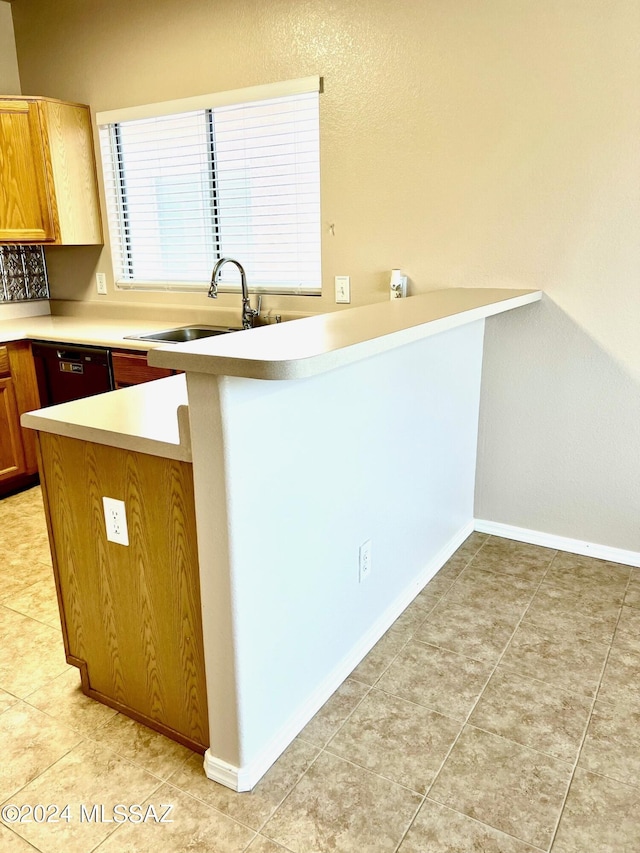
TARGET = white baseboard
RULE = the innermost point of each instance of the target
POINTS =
(246, 777)
(232, 777)
(560, 543)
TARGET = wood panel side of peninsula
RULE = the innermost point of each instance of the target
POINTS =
(131, 616)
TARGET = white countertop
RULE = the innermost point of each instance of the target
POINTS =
(314, 345)
(153, 417)
(82, 331)
(149, 418)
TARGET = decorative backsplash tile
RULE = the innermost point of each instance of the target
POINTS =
(23, 273)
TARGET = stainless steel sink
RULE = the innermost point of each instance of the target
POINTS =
(182, 334)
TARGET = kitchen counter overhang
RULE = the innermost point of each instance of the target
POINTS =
(314, 345)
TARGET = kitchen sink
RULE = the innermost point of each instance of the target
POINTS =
(182, 334)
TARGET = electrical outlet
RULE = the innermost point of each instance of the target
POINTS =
(364, 562)
(343, 288)
(397, 285)
(115, 517)
(101, 283)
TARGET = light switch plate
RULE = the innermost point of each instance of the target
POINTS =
(343, 288)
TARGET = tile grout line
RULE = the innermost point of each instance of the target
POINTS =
(258, 835)
(89, 739)
(39, 774)
(614, 779)
(46, 769)
(290, 791)
(412, 632)
(324, 749)
(24, 840)
(215, 809)
(541, 752)
(586, 728)
(464, 722)
(487, 826)
(353, 763)
(115, 829)
(409, 636)
(344, 722)
(6, 604)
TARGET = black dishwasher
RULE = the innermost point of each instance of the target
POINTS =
(67, 372)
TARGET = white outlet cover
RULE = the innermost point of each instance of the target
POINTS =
(364, 560)
(101, 283)
(115, 517)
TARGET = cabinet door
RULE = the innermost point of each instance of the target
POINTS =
(131, 368)
(11, 453)
(25, 211)
(68, 141)
(25, 386)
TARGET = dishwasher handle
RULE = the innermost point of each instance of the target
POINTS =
(66, 355)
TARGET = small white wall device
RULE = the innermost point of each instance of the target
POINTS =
(397, 285)
(115, 516)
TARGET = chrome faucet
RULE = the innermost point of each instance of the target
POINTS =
(249, 314)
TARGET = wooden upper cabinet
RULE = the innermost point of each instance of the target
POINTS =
(25, 213)
(48, 186)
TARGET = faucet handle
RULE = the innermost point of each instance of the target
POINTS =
(253, 313)
(249, 314)
(213, 287)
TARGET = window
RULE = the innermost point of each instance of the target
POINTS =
(230, 175)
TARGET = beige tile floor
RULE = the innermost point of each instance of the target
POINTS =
(500, 714)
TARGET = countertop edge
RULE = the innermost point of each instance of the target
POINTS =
(194, 358)
(80, 332)
(125, 419)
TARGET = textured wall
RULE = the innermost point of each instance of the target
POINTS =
(9, 77)
(475, 142)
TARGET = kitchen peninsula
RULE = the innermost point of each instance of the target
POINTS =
(309, 440)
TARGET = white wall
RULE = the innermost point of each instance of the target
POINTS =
(559, 446)
(9, 74)
(290, 479)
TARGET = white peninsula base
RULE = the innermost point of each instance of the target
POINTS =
(291, 477)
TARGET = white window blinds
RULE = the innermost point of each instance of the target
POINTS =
(238, 180)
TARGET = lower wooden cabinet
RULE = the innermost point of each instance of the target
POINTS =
(18, 394)
(131, 368)
(12, 462)
(131, 617)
